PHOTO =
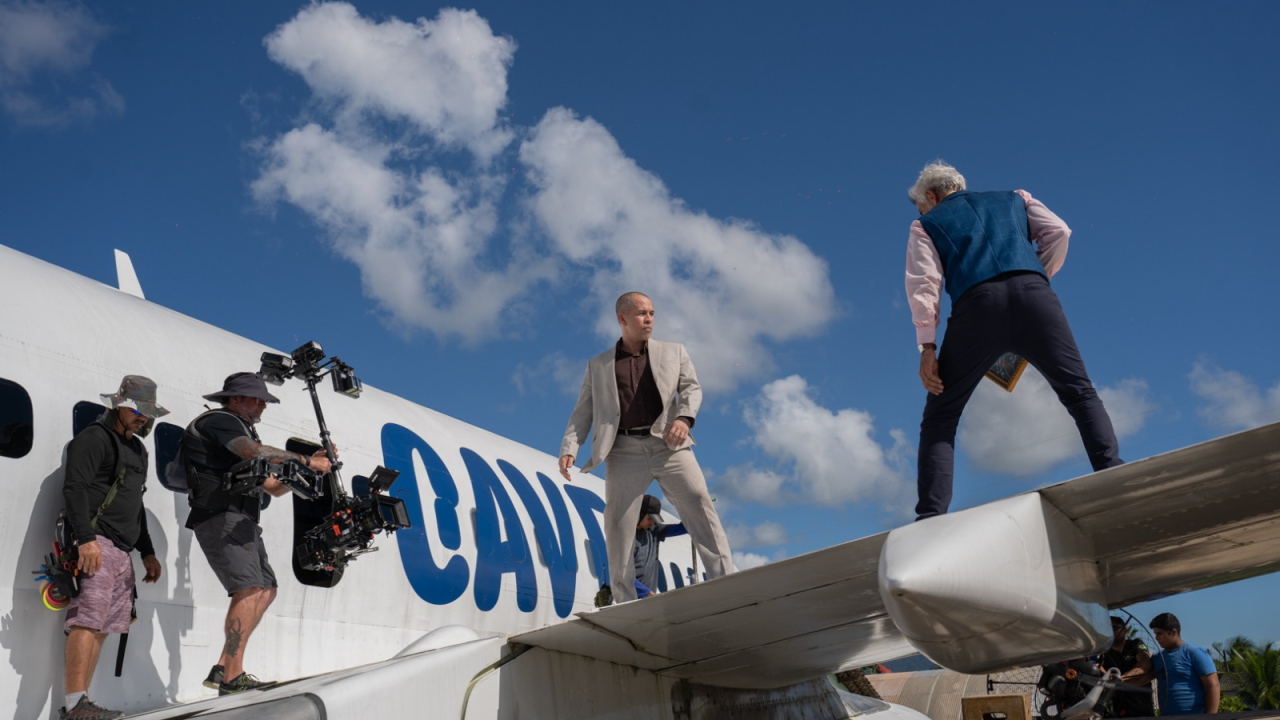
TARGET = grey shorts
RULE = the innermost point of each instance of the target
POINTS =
(232, 542)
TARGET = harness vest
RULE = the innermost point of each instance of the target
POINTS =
(980, 235)
(205, 470)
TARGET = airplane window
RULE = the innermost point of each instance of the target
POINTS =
(16, 421)
(168, 442)
(83, 415)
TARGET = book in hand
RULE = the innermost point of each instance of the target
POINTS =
(1007, 370)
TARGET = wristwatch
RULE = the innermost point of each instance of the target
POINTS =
(920, 348)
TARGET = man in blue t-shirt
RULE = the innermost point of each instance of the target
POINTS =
(650, 531)
(1186, 675)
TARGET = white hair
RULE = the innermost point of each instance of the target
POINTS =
(939, 177)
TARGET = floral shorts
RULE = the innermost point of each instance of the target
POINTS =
(105, 602)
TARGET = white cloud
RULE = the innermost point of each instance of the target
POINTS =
(447, 76)
(1232, 399)
(720, 286)
(421, 235)
(748, 560)
(399, 102)
(418, 239)
(1028, 431)
(833, 455)
(51, 40)
(555, 371)
(753, 484)
(761, 534)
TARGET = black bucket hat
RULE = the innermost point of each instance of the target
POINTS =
(245, 384)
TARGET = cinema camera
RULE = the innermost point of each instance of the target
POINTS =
(348, 531)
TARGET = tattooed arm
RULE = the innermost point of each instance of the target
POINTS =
(246, 448)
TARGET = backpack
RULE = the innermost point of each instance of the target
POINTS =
(63, 530)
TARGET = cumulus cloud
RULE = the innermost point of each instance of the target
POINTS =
(448, 76)
(1232, 400)
(401, 172)
(763, 534)
(418, 238)
(1028, 431)
(720, 286)
(748, 560)
(421, 235)
(44, 50)
(832, 456)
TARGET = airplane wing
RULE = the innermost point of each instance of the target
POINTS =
(1193, 518)
(766, 627)
(1189, 519)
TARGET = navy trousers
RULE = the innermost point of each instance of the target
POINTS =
(1016, 313)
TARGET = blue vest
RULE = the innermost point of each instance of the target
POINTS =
(980, 235)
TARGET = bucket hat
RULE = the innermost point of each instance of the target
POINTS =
(136, 392)
(245, 384)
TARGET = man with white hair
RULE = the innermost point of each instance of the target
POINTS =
(979, 247)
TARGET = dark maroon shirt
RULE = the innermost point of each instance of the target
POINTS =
(638, 395)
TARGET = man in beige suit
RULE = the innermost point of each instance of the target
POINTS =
(639, 400)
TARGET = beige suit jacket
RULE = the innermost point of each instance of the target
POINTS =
(598, 411)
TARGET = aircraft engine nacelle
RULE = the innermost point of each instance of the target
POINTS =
(1009, 584)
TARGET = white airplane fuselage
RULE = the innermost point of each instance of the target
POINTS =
(485, 510)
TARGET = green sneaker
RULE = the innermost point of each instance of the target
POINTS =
(242, 683)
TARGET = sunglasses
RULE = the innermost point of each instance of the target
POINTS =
(136, 413)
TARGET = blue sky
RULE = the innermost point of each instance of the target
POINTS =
(450, 199)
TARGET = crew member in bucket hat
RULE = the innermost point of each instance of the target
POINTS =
(106, 474)
(226, 525)
(136, 393)
(243, 384)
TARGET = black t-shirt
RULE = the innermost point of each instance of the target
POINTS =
(90, 472)
(1129, 703)
(208, 459)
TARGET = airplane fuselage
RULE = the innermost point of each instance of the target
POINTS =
(499, 543)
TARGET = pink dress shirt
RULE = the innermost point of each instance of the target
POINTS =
(924, 268)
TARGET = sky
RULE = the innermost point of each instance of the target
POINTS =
(451, 198)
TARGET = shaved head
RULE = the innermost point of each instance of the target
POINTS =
(627, 300)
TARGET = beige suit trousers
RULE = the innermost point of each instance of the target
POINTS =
(633, 463)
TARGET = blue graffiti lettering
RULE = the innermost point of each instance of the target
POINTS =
(588, 504)
(496, 557)
(561, 557)
(436, 585)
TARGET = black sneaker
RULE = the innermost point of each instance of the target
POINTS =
(242, 683)
(87, 709)
(215, 678)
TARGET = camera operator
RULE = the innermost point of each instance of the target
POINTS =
(226, 525)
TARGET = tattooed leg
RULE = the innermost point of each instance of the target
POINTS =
(247, 608)
(235, 635)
